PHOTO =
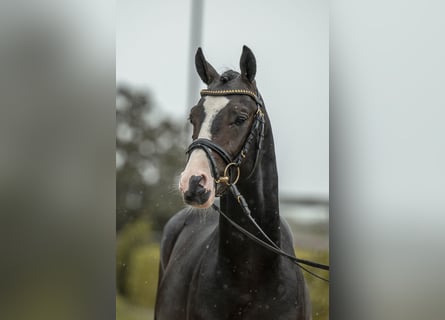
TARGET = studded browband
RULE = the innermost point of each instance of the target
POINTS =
(253, 95)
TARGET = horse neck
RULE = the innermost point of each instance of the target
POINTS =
(261, 193)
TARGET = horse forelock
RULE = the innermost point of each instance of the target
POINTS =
(229, 75)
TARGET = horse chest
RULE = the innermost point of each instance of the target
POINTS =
(198, 284)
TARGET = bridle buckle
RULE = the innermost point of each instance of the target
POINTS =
(222, 180)
(226, 176)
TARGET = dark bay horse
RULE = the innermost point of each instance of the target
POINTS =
(209, 270)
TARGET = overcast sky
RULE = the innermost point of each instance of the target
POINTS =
(290, 40)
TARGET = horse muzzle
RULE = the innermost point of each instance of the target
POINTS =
(197, 194)
(196, 184)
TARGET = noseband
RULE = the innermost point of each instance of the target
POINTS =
(231, 173)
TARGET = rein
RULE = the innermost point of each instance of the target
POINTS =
(233, 166)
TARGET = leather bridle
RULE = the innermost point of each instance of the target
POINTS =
(231, 173)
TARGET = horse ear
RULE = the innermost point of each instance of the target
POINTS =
(248, 64)
(206, 72)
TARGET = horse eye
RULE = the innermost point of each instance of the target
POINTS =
(240, 119)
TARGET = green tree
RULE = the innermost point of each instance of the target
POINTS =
(149, 157)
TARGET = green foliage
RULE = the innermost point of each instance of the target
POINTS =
(318, 289)
(125, 310)
(143, 275)
(133, 236)
(149, 156)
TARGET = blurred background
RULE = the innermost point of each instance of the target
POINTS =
(58, 146)
(156, 85)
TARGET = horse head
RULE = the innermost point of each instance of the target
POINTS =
(225, 123)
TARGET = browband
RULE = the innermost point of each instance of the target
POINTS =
(253, 95)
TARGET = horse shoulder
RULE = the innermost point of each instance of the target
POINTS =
(170, 234)
(287, 245)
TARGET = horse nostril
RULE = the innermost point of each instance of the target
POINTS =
(196, 192)
(194, 183)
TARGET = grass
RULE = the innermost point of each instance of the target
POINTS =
(318, 289)
(128, 311)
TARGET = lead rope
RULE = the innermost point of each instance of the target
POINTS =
(272, 246)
